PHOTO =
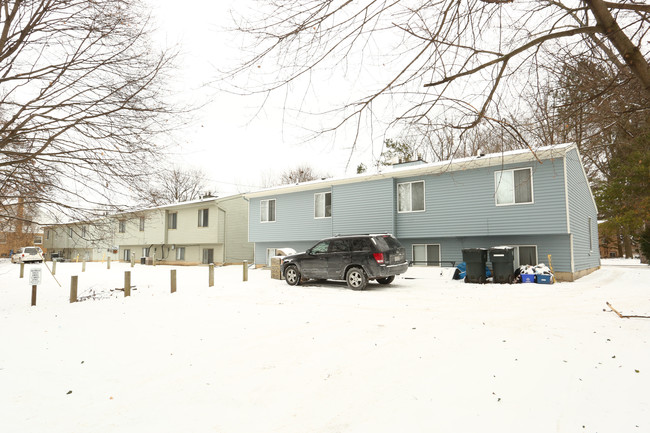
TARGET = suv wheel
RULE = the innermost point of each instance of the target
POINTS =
(356, 279)
(292, 275)
(386, 280)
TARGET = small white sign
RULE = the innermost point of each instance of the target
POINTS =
(35, 277)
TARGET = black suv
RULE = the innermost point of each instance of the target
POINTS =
(355, 259)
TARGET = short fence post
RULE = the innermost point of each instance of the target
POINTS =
(22, 270)
(245, 270)
(53, 267)
(33, 295)
(83, 266)
(73, 288)
(132, 260)
(153, 262)
(173, 280)
(108, 262)
(211, 275)
(127, 283)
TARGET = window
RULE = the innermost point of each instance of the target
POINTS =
(410, 196)
(525, 255)
(340, 246)
(267, 211)
(591, 239)
(83, 231)
(141, 223)
(70, 232)
(426, 254)
(172, 220)
(208, 256)
(513, 186)
(127, 255)
(320, 247)
(38, 240)
(203, 217)
(145, 251)
(122, 226)
(47, 234)
(180, 253)
(323, 205)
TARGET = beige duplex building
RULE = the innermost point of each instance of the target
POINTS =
(210, 230)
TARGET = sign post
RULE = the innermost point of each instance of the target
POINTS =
(34, 280)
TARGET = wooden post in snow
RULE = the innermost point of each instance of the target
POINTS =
(108, 262)
(83, 266)
(73, 288)
(54, 268)
(245, 270)
(22, 270)
(127, 283)
(211, 275)
(173, 280)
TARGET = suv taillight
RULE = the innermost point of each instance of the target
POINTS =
(379, 257)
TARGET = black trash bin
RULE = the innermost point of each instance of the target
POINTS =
(503, 264)
(143, 260)
(475, 259)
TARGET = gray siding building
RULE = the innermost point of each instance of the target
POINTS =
(539, 203)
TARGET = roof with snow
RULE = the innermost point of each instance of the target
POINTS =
(490, 160)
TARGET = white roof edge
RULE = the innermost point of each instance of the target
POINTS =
(161, 207)
(489, 160)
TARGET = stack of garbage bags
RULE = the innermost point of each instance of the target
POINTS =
(540, 269)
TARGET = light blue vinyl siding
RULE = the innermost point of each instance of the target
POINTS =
(364, 207)
(581, 208)
(462, 203)
(294, 219)
(558, 246)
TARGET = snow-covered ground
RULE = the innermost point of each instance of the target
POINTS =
(425, 354)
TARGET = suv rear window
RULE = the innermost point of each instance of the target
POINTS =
(387, 242)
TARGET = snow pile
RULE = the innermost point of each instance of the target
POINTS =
(424, 354)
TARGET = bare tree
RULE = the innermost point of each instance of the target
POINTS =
(82, 104)
(435, 64)
(173, 186)
(302, 173)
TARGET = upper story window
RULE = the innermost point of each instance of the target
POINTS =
(122, 226)
(83, 231)
(47, 234)
(410, 196)
(70, 231)
(267, 210)
(513, 186)
(172, 220)
(203, 217)
(323, 205)
(38, 240)
(141, 223)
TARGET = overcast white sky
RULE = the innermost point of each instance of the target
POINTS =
(237, 144)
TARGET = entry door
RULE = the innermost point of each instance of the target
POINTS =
(127, 255)
(208, 256)
(426, 254)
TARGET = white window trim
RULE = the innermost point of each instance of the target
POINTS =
(201, 217)
(323, 194)
(426, 253)
(275, 207)
(532, 188)
(516, 247)
(424, 196)
(169, 227)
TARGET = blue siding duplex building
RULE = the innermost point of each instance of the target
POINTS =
(539, 203)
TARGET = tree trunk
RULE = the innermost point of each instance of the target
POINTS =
(619, 243)
(630, 52)
(627, 244)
